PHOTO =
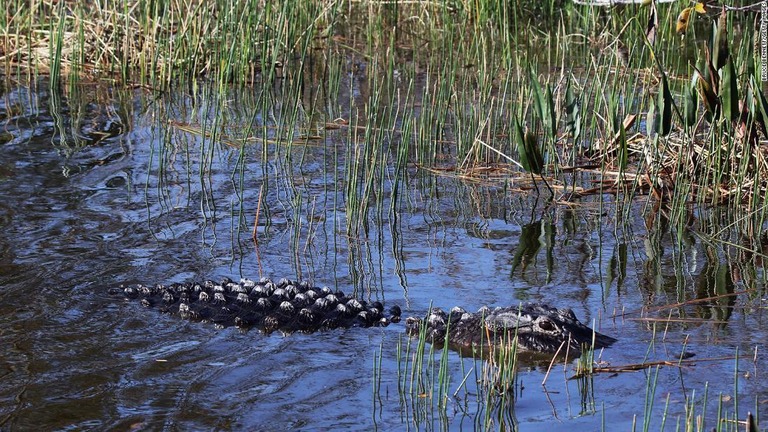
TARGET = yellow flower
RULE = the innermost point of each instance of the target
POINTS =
(685, 16)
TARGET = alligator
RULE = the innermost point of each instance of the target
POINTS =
(291, 306)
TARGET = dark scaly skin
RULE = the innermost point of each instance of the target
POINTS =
(299, 307)
(538, 328)
(286, 305)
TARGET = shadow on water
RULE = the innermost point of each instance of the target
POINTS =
(103, 187)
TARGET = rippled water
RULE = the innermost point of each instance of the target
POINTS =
(103, 188)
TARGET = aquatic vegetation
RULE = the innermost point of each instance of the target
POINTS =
(495, 91)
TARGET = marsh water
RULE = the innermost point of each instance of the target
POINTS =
(103, 187)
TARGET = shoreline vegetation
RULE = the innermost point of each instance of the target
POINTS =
(641, 98)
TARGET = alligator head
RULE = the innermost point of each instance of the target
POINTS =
(536, 327)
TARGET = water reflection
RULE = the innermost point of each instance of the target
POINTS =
(715, 286)
(533, 237)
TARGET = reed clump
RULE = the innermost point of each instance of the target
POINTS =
(569, 99)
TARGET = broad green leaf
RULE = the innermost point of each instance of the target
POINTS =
(650, 119)
(708, 97)
(528, 147)
(653, 25)
(729, 92)
(551, 113)
(538, 94)
(665, 106)
(691, 102)
(519, 135)
(720, 49)
(544, 104)
(572, 112)
(623, 150)
(761, 105)
(535, 159)
(619, 131)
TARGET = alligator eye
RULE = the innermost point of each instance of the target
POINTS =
(547, 325)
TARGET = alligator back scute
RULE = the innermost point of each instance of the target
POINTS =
(286, 305)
